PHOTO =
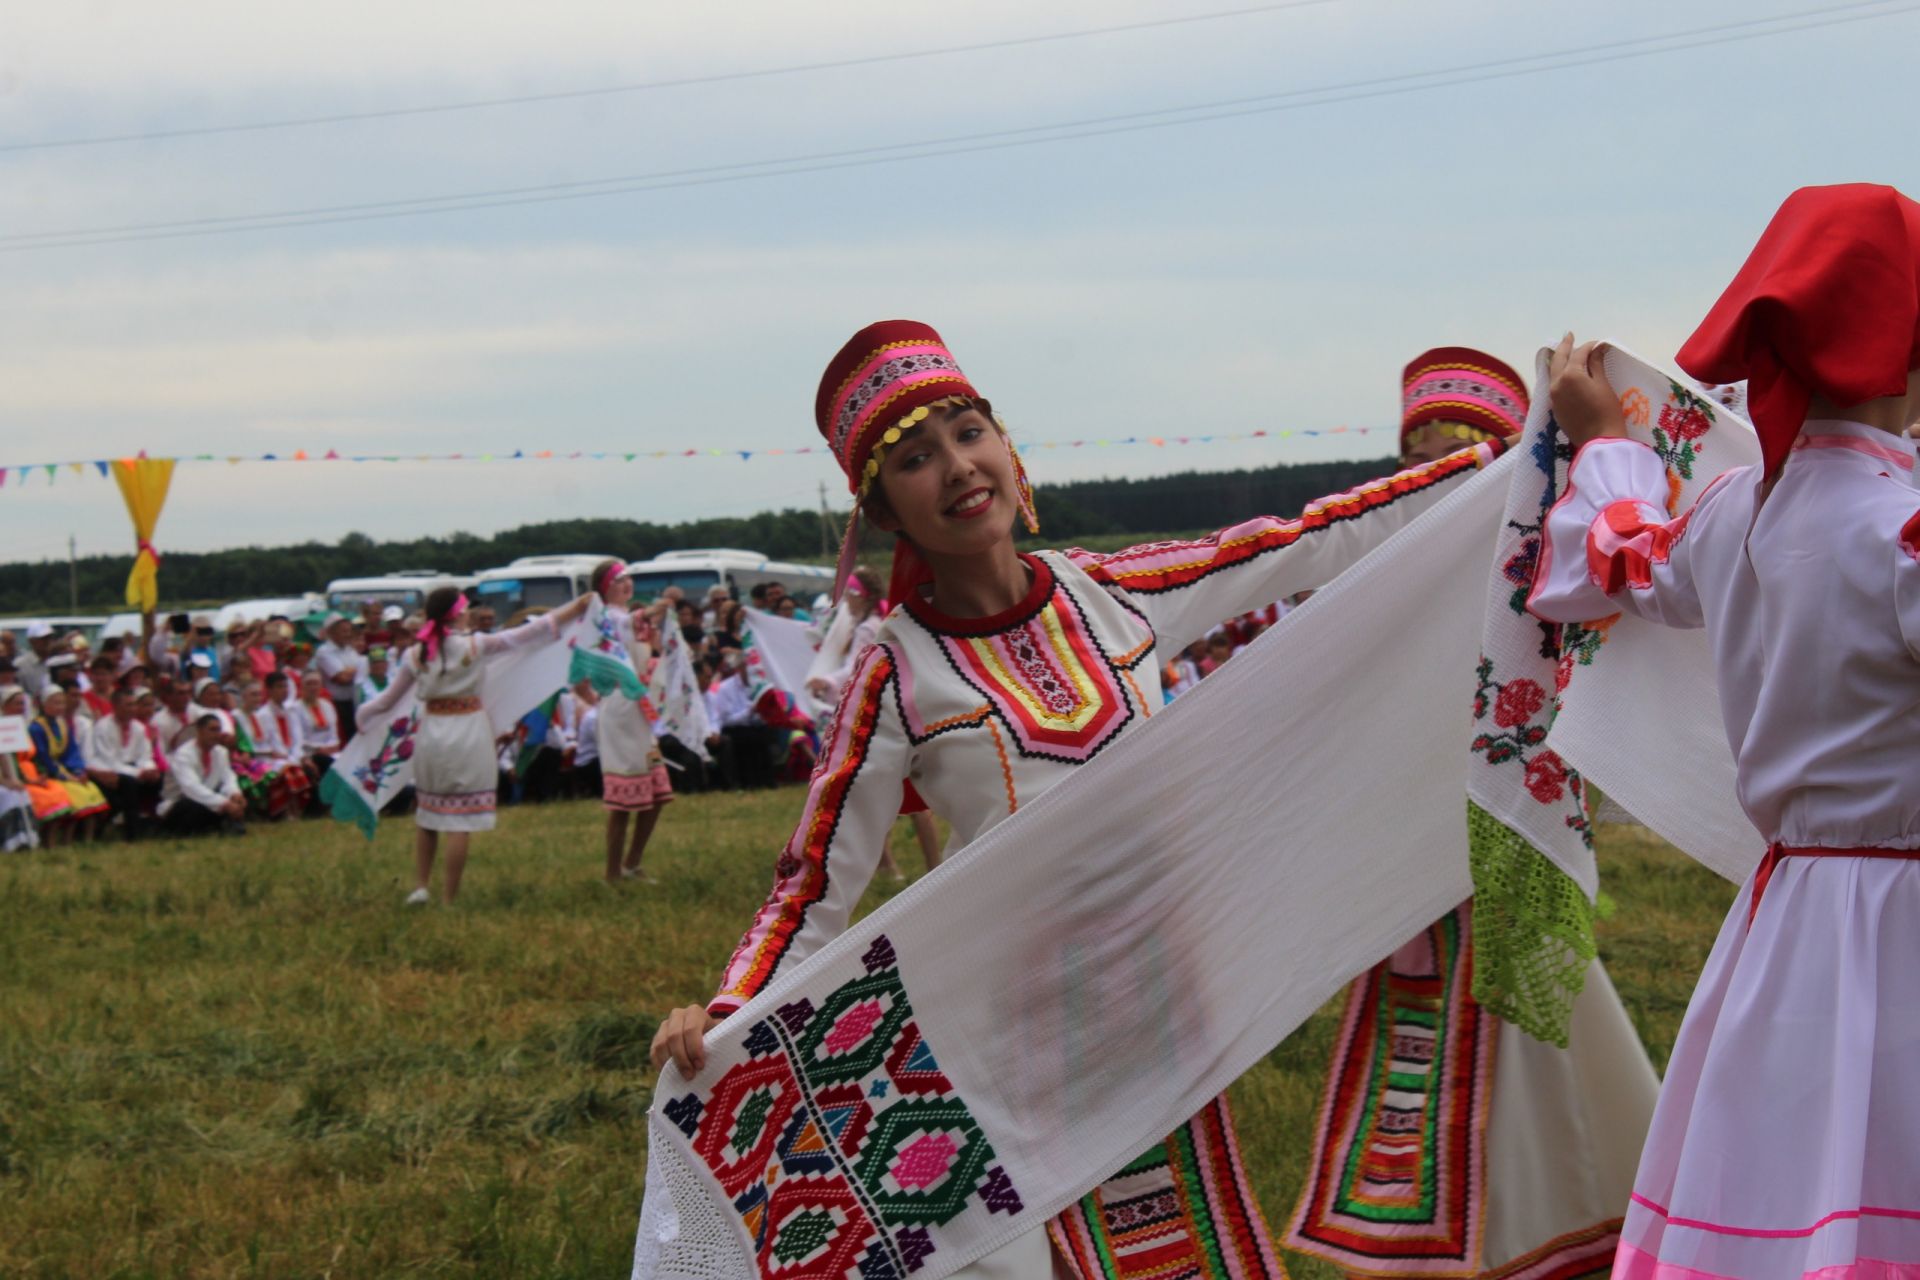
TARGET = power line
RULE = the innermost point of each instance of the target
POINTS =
(643, 86)
(994, 140)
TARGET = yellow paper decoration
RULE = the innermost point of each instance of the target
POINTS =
(143, 484)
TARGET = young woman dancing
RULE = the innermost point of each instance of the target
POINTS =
(455, 771)
(999, 673)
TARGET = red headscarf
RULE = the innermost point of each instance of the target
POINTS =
(1828, 302)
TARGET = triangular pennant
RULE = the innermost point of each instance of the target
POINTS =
(102, 466)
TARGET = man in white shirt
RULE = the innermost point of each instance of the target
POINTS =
(29, 668)
(373, 682)
(320, 722)
(121, 762)
(340, 666)
(586, 741)
(163, 643)
(283, 704)
(200, 792)
(746, 758)
(173, 722)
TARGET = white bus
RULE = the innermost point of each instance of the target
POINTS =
(695, 571)
(408, 589)
(535, 582)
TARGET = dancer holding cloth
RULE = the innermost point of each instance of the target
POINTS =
(1786, 1142)
(996, 676)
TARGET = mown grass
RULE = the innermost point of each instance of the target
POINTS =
(245, 1058)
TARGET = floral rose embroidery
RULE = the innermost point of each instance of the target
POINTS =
(1546, 777)
(1518, 702)
(1684, 422)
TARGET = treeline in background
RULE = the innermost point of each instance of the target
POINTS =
(1102, 512)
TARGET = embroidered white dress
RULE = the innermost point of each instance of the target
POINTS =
(455, 769)
(1786, 1142)
(983, 715)
(632, 770)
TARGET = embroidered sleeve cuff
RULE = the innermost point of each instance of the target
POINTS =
(1613, 488)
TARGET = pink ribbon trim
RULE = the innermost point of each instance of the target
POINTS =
(1762, 1233)
(1884, 452)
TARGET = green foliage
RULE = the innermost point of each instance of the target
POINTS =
(1068, 513)
(247, 1058)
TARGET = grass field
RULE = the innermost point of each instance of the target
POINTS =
(245, 1058)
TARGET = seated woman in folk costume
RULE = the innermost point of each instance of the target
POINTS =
(1786, 1142)
(271, 772)
(1451, 1142)
(50, 807)
(59, 762)
(996, 676)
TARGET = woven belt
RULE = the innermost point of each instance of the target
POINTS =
(1775, 852)
(452, 706)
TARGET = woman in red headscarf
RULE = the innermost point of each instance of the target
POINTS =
(996, 676)
(1786, 1143)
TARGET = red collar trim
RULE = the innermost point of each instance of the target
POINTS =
(1037, 596)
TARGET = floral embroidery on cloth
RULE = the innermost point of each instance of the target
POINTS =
(395, 748)
(839, 1142)
(1530, 834)
(598, 654)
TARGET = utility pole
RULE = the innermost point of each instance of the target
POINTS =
(826, 525)
(73, 577)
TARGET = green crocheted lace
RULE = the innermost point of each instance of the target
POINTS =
(337, 794)
(1532, 930)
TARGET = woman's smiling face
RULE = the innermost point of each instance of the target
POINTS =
(948, 485)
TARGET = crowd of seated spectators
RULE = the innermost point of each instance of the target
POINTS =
(185, 729)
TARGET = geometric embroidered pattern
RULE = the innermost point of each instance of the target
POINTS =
(1397, 1183)
(458, 803)
(1047, 677)
(839, 1140)
(1578, 1255)
(1182, 1211)
(1156, 567)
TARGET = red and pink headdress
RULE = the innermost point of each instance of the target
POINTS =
(885, 380)
(1463, 394)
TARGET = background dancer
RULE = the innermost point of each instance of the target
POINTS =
(1786, 1143)
(455, 769)
(995, 677)
(856, 624)
(1451, 1142)
(633, 774)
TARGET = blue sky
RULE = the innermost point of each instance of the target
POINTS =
(1273, 270)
